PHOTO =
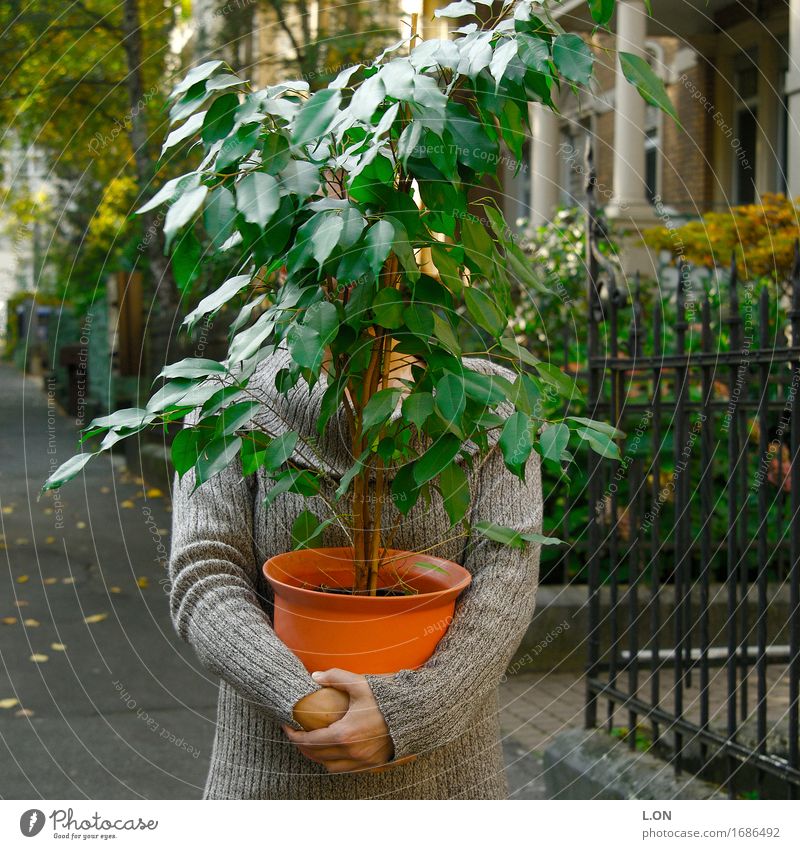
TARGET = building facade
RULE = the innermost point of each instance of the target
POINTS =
(732, 72)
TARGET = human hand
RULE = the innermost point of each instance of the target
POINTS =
(359, 740)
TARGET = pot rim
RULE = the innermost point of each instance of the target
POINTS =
(464, 578)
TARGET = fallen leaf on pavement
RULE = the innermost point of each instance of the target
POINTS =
(39, 658)
(95, 617)
(5, 704)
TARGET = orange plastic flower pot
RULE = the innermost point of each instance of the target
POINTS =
(362, 634)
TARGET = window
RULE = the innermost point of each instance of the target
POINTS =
(782, 143)
(652, 158)
(572, 157)
(745, 128)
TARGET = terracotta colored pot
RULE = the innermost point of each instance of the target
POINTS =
(362, 634)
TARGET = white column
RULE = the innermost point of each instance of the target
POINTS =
(629, 196)
(793, 95)
(544, 164)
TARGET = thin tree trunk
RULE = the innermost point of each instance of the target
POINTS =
(164, 284)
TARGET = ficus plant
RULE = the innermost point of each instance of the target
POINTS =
(346, 214)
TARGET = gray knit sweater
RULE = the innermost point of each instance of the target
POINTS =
(446, 712)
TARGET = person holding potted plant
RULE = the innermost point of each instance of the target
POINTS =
(379, 458)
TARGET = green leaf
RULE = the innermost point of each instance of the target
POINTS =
(186, 257)
(405, 492)
(183, 210)
(408, 141)
(508, 536)
(417, 407)
(185, 449)
(436, 458)
(502, 55)
(500, 533)
(219, 216)
(193, 367)
(326, 236)
(448, 268)
(484, 310)
(254, 445)
(603, 427)
(638, 72)
(316, 116)
(534, 52)
(307, 530)
(239, 145)
(553, 441)
(445, 334)
(478, 246)
(306, 346)
(236, 416)
(560, 381)
(573, 58)
(195, 75)
(450, 398)
(67, 471)
(258, 197)
(486, 388)
(516, 350)
(456, 10)
(216, 456)
(454, 486)
(599, 442)
(189, 128)
(601, 10)
(379, 407)
(280, 450)
(301, 481)
(229, 289)
(130, 417)
(516, 443)
(389, 308)
(219, 118)
(378, 243)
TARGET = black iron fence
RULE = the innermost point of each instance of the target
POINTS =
(693, 553)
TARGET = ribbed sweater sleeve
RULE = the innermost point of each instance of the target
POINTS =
(433, 705)
(213, 601)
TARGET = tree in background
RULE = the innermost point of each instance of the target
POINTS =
(82, 84)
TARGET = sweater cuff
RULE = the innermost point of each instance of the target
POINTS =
(233, 638)
(399, 703)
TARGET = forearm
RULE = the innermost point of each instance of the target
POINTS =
(427, 707)
(213, 599)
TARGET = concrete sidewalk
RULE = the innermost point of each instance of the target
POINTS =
(98, 697)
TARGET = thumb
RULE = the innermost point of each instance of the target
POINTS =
(340, 679)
